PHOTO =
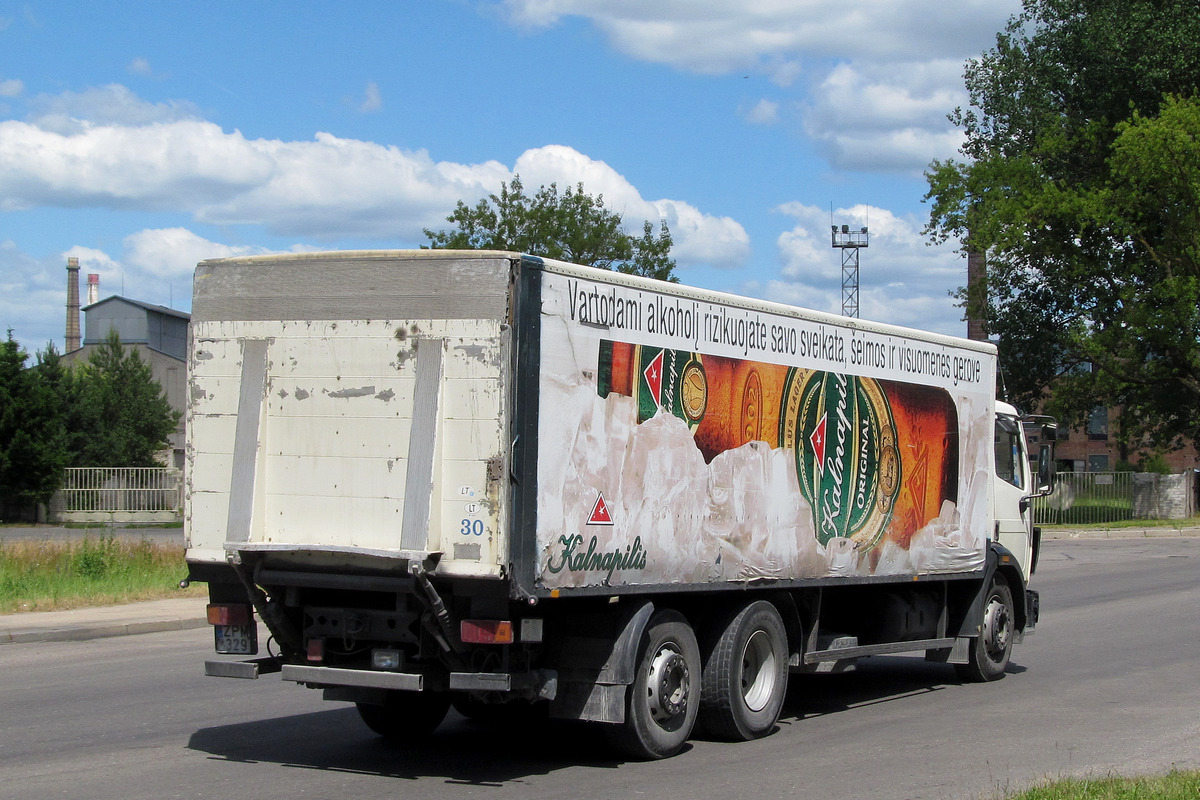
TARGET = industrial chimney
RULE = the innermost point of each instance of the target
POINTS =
(72, 342)
(93, 288)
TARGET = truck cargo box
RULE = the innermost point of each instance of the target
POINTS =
(570, 430)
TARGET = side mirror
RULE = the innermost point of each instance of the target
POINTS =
(1047, 435)
(1045, 472)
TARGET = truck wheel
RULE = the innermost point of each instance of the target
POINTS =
(406, 717)
(745, 674)
(662, 702)
(991, 649)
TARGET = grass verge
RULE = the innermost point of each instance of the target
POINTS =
(1173, 786)
(1176, 524)
(52, 576)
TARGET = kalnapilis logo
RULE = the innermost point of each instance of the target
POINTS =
(841, 429)
(574, 557)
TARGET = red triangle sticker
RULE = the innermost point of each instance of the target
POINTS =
(600, 515)
(817, 440)
(654, 377)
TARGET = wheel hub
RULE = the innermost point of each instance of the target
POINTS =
(997, 627)
(669, 684)
(758, 671)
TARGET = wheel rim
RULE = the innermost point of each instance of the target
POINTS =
(668, 687)
(758, 671)
(997, 628)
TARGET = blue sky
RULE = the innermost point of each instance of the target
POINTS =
(142, 137)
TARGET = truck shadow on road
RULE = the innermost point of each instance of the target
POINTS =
(882, 679)
(459, 751)
(476, 753)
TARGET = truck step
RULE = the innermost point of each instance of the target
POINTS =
(248, 670)
(852, 649)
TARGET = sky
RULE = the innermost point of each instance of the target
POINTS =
(143, 137)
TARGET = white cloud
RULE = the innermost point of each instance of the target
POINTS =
(326, 189)
(173, 165)
(11, 88)
(568, 167)
(157, 263)
(73, 112)
(774, 36)
(372, 99)
(887, 116)
(883, 75)
(901, 279)
(153, 266)
(33, 294)
(92, 262)
(699, 238)
(333, 187)
(91, 259)
(175, 252)
(140, 66)
(764, 112)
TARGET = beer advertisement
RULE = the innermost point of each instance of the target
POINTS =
(690, 441)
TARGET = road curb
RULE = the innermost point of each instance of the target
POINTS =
(101, 631)
(99, 622)
(1119, 533)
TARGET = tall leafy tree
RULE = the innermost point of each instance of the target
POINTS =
(571, 226)
(1079, 182)
(33, 436)
(107, 412)
(120, 414)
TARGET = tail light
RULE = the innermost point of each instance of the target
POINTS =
(486, 631)
(229, 614)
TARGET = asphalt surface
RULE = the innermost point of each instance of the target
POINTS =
(189, 612)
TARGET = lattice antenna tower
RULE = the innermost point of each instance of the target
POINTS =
(850, 242)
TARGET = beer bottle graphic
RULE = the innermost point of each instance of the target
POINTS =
(656, 378)
(726, 402)
(841, 430)
(875, 459)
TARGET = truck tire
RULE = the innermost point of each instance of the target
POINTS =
(745, 674)
(662, 702)
(990, 650)
(406, 717)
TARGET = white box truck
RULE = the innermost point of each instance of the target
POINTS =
(511, 483)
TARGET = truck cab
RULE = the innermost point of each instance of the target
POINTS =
(1017, 480)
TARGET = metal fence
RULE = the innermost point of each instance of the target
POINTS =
(121, 490)
(1086, 497)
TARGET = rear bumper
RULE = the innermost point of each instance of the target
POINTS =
(542, 684)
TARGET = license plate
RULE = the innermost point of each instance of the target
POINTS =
(239, 640)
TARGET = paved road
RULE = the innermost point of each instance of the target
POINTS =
(1107, 683)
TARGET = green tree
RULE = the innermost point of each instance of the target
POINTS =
(1080, 184)
(570, 226)
(120, 416)
(33, 436)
